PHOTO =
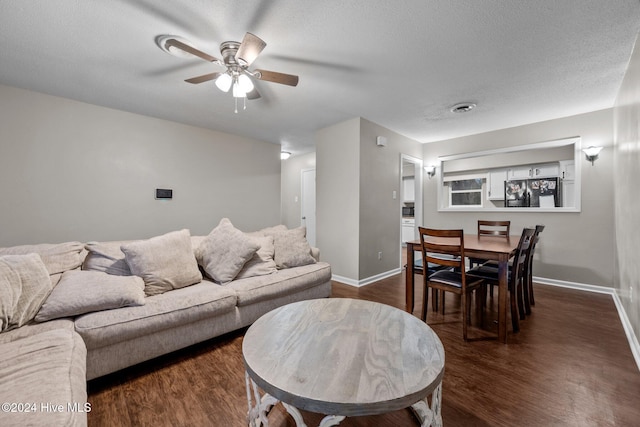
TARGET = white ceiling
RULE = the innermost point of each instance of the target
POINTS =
(400, 64)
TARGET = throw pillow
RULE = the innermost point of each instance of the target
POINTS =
(106, 257)
(224, 252)
(261, 263)
(80, 292)
(164, 262)
(57, 257)
(25, 285)
(292, 248)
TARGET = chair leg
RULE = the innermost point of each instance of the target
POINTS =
(526, 292)
(514, 311)
(464, 315)
(480, 296)
(531, 300)
(519, 296)
(425, 301)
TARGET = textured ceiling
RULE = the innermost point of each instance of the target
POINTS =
(400, 67)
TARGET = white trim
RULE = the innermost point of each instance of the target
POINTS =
(577, 155)
(628, 329)
(574, 285)
(368, 280)
(512, 149)
(634, 345)
(464, 177)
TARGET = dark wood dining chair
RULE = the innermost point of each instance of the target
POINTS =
(494, 228)
(491, 228)
(516, 277)
(528, 283)
(448, 252)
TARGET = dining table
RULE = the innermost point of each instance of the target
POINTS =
(480, 247)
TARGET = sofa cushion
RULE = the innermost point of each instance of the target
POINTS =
(262, 261)
(57, 258)
(48, 368)
(24, 285)
(164, 262)
(107, 257)
(225, 251)
(260, 288)
(82, 292)
(160, 312)
(291, 247)
(34, 328)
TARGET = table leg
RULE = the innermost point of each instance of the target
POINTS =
(257, 414)
(409, 279)
(430, 416)
(503, 268)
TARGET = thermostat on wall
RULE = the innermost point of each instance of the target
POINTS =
(163, 194)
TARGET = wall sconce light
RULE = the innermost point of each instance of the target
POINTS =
(431, 171)
(284, 155)
(591, 153)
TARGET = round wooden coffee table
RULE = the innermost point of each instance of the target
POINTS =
(342, 357)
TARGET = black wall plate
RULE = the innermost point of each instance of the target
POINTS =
(163, 194)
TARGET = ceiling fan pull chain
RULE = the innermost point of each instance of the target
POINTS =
(244, 102)
(236, 101)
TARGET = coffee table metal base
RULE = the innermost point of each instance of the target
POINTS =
(428, 415)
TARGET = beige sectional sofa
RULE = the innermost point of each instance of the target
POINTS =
(45, 363)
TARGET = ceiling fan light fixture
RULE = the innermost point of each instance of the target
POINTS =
(223, 82)
(237, 90)
(245, 83)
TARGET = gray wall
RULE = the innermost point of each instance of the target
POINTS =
(290, 187)
(338, 196)
(627, 209)
(575, 247)
(380, 214)
(357, 216)
(74, 171)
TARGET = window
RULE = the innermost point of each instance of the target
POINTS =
(466, 192)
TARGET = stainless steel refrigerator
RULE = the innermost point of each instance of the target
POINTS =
(534, 193)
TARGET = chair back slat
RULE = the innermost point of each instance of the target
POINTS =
(494, 228)
(450, 243)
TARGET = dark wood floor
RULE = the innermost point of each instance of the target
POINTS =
(570, 365)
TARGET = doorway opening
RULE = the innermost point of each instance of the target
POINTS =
(308, 204)
(410, 200)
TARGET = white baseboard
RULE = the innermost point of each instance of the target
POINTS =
(368, 280)
(574, 285)
(626, 324)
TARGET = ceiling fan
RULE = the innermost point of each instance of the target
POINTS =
(236, 58)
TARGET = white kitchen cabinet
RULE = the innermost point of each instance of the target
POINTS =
(519, 172)
(495, 184)
(408, 189)
(545, 170)
(568, 193)
(408, 229)
(568, 169)
(549, 170)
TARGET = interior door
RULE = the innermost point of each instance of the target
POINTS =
(308, 204)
